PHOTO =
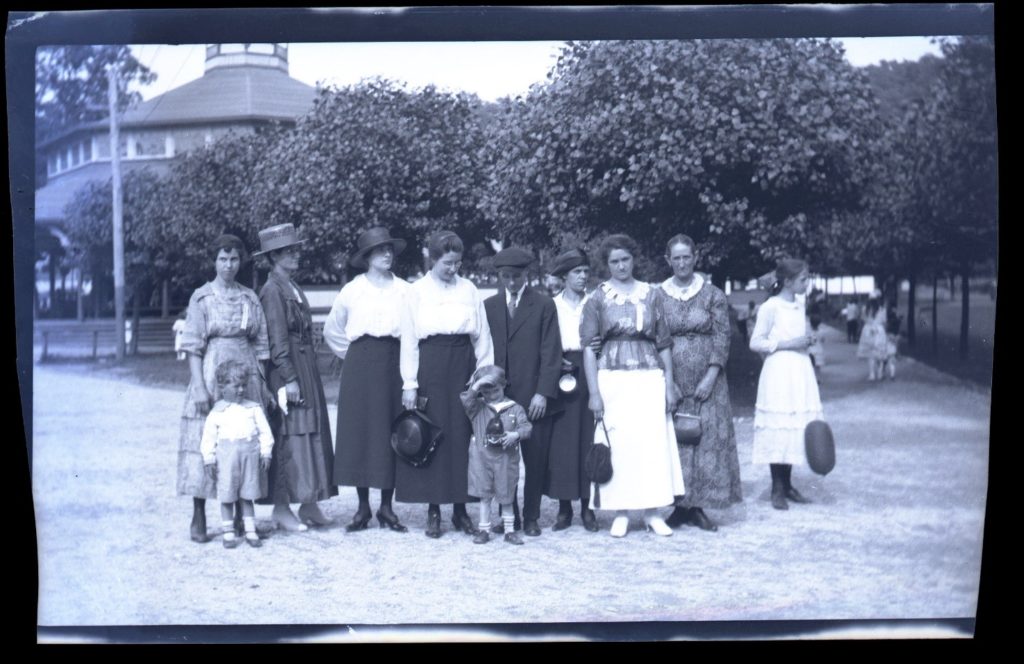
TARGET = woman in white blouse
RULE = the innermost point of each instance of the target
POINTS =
(446, 338)
(364, 329)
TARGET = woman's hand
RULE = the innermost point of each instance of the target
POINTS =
(596, 405)
(706, 384)
(409, 399)
(264, 463)
(796, 343)
(201, 399)
(671, 396)
(510, 439)
(269, 400)
(291, 390)
(211, 471)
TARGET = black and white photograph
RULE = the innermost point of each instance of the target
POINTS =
(505, 324)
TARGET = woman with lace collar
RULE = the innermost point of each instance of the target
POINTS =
(631, 391)
(697, 315)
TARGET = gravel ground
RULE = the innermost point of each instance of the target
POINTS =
(895, 530)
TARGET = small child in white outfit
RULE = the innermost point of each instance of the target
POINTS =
(499, 425)
(236, 448)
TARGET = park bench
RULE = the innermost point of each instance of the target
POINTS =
(155, 335)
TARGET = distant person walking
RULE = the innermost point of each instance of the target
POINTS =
(852, 314)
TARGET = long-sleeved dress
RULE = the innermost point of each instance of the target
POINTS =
(787, 391)
(631, 380)
(222, 323)
(698, 320)
(445, 339)
(364, 328)
(300, 471)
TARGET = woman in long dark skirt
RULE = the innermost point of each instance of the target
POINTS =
(303, 458)
(572, 431)
(445, 339)
(364, 329)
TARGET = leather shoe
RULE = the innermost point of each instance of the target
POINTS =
(562, 521)
(197, 532)
(531, 528)
(359, 522)
(701, 520)
(679, 516)
(796, 496)
(433, 526)
(481, 537)
(498, 528)
(464, 523)
(515, 538)
(390, 520)
(589, 520)
(232, 543)
(254, 542)
(779, 500)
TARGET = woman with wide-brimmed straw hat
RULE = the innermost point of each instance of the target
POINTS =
(364, 328)
(446, 338)
(224, 321)
(303, 457)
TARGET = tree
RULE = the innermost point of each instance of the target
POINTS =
(375, 154)
(749, 146)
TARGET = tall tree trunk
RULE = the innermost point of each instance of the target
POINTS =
(912, 310)
(165, 302)
(965, 311)
(935, 315)
(136, 315)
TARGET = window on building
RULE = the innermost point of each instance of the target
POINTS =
(150, 144)
(70, 156)
(75, 154)
(61, 163)
(169, 145)
(87, 151)
(51, 164)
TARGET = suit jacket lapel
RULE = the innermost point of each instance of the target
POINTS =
(522, 311)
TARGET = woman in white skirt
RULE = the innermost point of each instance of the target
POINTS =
(632, 391)
(787, 393)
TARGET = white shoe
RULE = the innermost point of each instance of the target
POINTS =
(658, 525)
(619, 526)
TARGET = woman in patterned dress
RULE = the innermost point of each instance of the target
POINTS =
(224, 322)
(697, 314)
(632, 391)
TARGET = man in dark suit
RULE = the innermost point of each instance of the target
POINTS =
(528, 346)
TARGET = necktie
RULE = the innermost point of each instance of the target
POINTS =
(512, 306)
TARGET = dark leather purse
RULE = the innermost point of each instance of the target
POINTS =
(687, 425)
(598, 464)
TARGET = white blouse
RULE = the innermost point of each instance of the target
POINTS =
(777, 320)
(235, 421)
(361, 309)
(433, 307)
(569, 316)
(683, 294)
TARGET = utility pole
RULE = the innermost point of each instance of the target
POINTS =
(115, 172)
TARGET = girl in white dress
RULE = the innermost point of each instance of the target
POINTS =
(787, 392)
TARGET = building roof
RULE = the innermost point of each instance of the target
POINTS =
(221, 94)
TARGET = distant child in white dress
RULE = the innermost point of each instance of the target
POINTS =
(499, 425)
(787, 392)
(236, 448)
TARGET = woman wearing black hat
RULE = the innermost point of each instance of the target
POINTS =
(697, 314)
(572, 431)
(445, 339)
(364, 329)
(303, 457)
(224, 322)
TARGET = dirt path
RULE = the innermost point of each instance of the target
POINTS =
(895, 530)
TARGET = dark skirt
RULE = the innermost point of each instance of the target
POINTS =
(572, 434)
(369, 401)
(446, 364)
(303, 457)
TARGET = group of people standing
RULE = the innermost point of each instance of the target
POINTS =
(555, 375)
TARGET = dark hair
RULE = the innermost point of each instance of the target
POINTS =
(680, 239)
(442, 243)
(230, 371)
(227, 243)
(618, 241)
(787, 268)
(269, 256)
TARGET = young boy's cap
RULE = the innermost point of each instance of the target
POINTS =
(490, 375)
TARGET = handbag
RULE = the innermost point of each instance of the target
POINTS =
(687, 425)
(820, 447)
(598, 464)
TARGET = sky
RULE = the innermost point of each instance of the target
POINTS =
(490, 69)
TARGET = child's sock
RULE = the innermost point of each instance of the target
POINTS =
(485, 525)
(228, 525)
(509, 520)
(250, 527)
